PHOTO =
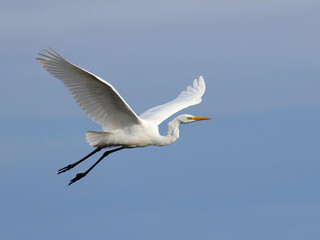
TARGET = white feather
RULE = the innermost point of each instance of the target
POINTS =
(97, 98)
(189, 97)
(104, 105)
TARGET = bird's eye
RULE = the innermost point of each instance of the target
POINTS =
(189, 118)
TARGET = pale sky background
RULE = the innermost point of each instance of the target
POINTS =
(250, 173)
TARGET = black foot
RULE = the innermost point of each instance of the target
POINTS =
(78, 177)
(66, 168)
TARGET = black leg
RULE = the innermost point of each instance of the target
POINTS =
(81, 175)
(72, 165)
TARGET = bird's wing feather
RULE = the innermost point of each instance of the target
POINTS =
(191, 96)
(97, 98)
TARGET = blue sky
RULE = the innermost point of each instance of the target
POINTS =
(250, 173)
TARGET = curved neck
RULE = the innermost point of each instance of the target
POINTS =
(173, 133)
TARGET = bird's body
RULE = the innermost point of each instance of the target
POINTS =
(122, 127)
(138, 135)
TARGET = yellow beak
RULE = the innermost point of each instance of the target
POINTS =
(201, 118)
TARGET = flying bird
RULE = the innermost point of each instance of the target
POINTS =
(122, 127)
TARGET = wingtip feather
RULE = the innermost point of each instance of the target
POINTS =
(195, 83)
(201, 82)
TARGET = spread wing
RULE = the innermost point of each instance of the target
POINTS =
(186, 98)
(97, 98)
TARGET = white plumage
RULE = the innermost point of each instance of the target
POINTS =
(97, 98)
(191, 96)
(104, 105)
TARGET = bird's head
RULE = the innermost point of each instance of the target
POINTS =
(186, 118)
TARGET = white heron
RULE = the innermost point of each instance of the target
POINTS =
(122, 127)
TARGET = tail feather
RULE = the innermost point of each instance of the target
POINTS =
(98, 139)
